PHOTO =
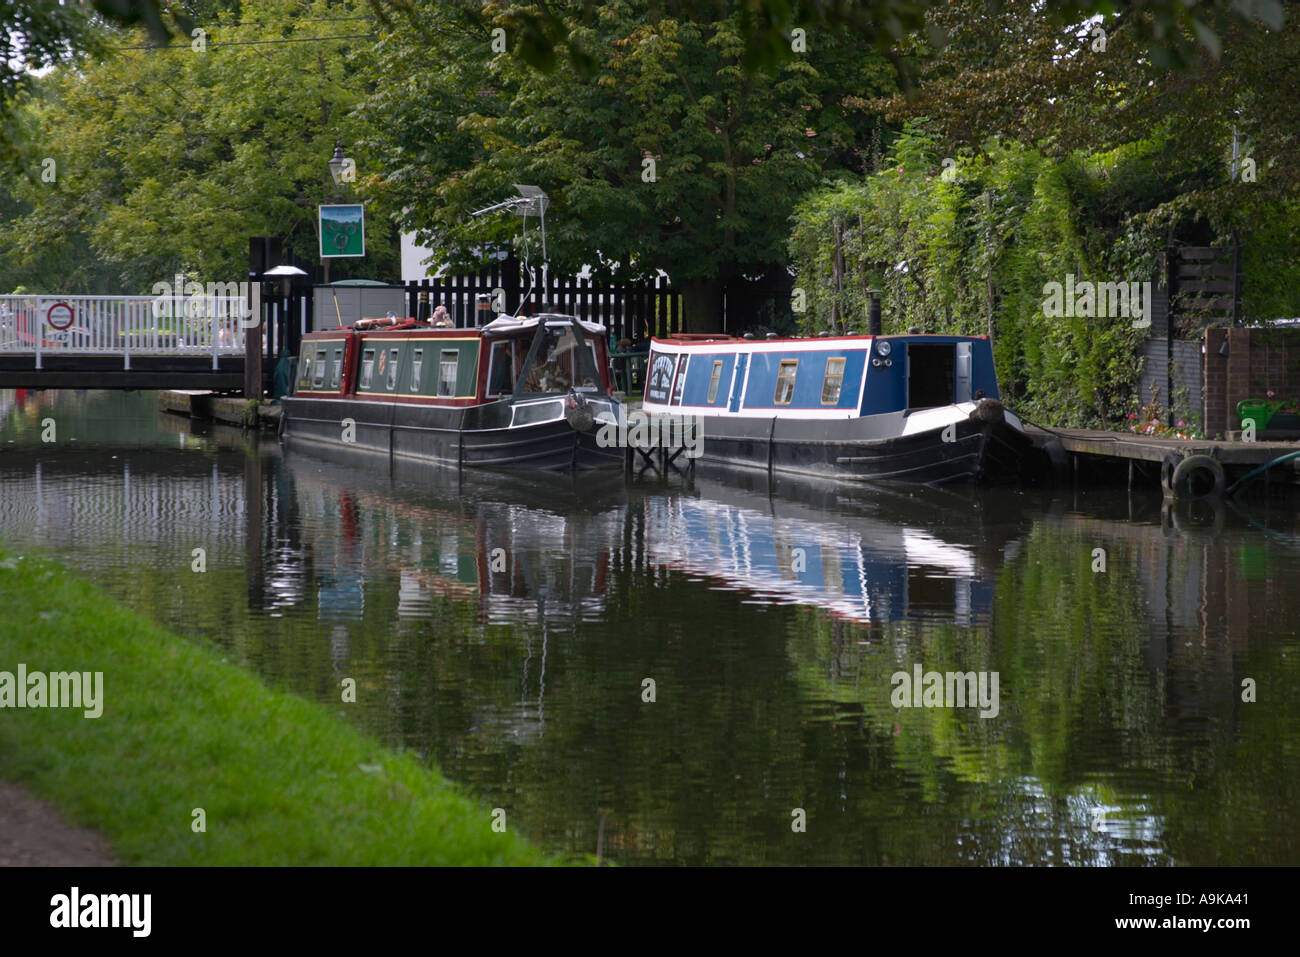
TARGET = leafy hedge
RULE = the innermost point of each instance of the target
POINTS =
(966, 245)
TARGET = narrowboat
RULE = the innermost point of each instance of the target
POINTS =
(868, 408)
(514, 393)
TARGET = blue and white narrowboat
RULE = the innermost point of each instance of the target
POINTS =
(911, 408)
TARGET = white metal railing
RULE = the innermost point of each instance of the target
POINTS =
(122, 325)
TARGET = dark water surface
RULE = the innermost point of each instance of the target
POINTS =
(505, 629)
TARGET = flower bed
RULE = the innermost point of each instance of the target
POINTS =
(1153, 426)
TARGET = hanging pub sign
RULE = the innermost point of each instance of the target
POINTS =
(342, 230)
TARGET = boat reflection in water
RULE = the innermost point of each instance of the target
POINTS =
(883, 557)
(501, 544)
(521, 551)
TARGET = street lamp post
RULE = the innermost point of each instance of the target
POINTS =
(337, 164)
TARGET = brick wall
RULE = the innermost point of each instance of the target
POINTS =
(1258, 360)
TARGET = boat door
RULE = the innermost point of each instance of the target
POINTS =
(738, 382)
(963, 372)
(931, 374)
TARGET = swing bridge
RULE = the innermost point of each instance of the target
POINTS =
(131, 342)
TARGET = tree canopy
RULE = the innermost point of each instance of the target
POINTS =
(153, 161)
(670, 157)
(672, 135)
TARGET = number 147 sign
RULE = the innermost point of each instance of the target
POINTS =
(342, 231)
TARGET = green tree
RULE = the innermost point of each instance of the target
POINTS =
(1093, 87)
(169, 159)
(671, 157)
(1038, 151)
(1172, 31)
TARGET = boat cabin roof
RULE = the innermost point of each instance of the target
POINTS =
(505, 324)
(688, 339)
(501, 325)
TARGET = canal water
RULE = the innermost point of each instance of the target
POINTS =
(710, 671)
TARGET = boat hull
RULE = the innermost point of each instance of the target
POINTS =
(847, 450)
(464, 437)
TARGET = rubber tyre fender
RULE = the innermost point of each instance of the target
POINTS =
(1198, 476)
(580, 419)
(1167, 469)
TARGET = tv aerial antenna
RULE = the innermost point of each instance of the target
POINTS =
(532, 200)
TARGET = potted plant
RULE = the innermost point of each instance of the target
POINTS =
(1286, 415)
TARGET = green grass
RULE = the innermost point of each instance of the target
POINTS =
(282, 781)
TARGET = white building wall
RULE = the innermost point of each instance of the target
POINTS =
(413, 257)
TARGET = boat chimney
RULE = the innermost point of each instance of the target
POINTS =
(873, 312)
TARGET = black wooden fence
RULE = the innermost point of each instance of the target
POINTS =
(760, 304)
(629, 310)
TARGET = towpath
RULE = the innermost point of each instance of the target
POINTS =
(32, 834)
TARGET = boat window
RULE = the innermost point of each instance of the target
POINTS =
(549, 372)
(337, 375)
(560, 365)
(367, 367)
(586, 377)
(714, 379)
(785, 381)
(447, 371)
(392, 369)
(834, 379)
(318, 370)
(680, 384)
(304, 367)
(417, 360)
(501, 369)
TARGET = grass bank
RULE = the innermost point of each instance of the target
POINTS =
(280, 779)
